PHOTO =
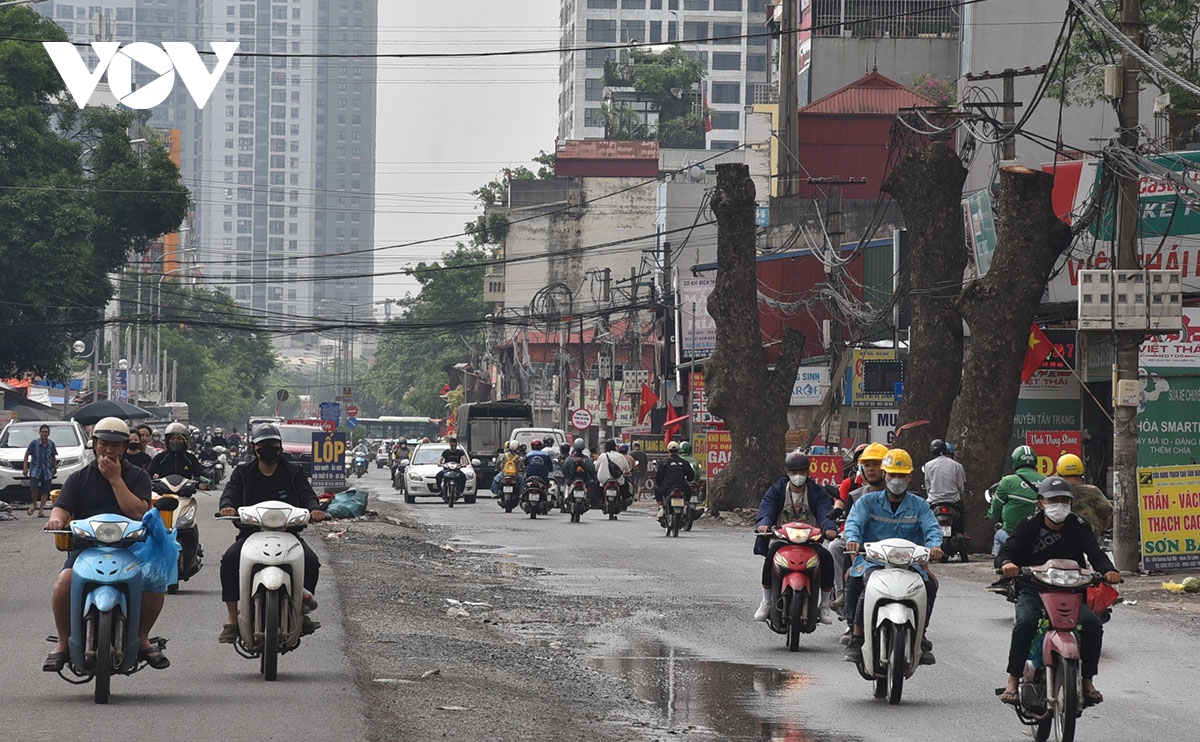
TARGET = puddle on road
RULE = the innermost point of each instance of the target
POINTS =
(733, 701)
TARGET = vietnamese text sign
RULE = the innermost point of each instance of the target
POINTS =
(825, 469)
(883, 426)
(1050, 444)
(697, 331)
(1174, 349)
(1169, 503)
(810, 386)
(329, 461)
(718, 449)
(700, 413)
(858, 396)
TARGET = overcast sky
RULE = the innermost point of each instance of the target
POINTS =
(447, 126)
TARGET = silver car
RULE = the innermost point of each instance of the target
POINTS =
(69, 440)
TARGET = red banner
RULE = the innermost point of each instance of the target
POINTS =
(717, 450)
(825, 469)
(1050, 444)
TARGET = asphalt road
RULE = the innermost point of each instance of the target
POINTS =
(208, 693)
(688, 646)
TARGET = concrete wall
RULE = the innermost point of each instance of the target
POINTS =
(837, 62)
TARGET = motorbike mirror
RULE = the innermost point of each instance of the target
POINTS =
(403, 462)
(474, 462)
(166, 504)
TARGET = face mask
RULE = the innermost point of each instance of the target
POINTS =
(798, 479)
(897, 486)
(135, 447)
(1057, 512)
(269, 454)
(176, 446)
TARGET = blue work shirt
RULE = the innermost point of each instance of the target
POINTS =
(537, 464)
(873, 519)
(41, 458)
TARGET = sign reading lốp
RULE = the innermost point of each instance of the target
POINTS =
(697, 331)
(329, 461)
(1049, 445)
(172, 57)
(1169, 503)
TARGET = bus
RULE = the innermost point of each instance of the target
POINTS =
(412, 429)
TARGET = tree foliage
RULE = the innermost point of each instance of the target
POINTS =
(667, 80)
(75, 201)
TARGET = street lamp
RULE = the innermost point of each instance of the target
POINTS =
(159, 360)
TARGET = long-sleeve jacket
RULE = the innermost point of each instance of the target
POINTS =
(249, 486)
(673, 472)
(873, 519)
(1016, 497)
(779, 497)
(1032, 542)
(184, 463)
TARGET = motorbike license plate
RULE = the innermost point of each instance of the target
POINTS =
(946, 530)
(676, 502)
(508, 490)
(580, 494)
(534, 497)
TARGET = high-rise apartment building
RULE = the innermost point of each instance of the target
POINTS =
(724, 35)
(281, 160)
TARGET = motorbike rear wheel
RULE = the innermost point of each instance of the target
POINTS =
(104, 655)
(676, 522)
(1066, 699)
(689, 518)
(270, 649)
(897, 663)
(795, 604)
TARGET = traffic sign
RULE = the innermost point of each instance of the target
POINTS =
(581, 419)
(351, 422)
(331, 411)
(352, 410)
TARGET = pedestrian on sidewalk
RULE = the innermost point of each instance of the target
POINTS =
(41, 464)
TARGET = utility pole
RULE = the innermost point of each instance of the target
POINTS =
(1126, 528)
(1008, 104)
(789, 106)
(667, 286)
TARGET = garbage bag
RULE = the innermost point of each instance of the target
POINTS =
(348, 504)
(158, 554)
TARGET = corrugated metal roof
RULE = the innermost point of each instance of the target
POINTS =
(607, 149)
(870, 95)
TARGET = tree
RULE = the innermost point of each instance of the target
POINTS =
(491, 227)
(75, 201)
(1172, 32)
(666, 81)
(749, 396)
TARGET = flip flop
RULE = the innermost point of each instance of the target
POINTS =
(55, 661)
(154, 657)
(1010, 697)
(1092, 697)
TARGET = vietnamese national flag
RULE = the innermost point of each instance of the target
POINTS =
(608, 402)
(1037, 351)
(649, 399)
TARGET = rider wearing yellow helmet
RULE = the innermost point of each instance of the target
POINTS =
(1089, 502)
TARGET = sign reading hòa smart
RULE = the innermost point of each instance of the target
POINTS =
(174, 56)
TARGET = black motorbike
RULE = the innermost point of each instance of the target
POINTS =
(954, 540)
(183, 520)
(509, 495)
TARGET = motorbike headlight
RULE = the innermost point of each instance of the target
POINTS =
(797, 535)
(136, 534)
(273, 517)
(1066, 578)
(186, 518)
(901, 556)
(109, 533)
(299, 519)
(69, 461)
(470, 474)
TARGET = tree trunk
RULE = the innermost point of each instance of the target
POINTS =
(751, 398)
(927, 185)
(999, 310)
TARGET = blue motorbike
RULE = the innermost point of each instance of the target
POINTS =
(106, 598)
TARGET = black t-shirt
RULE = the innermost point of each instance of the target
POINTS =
(1033, 543)
(453, 454)
(87, 492)
(141, 459)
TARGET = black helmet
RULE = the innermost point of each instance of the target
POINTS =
(265, 432)
(937, 446)
(548, 442)
(796, 461)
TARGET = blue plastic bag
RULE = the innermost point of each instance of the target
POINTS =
(158, 554)
(349, 504)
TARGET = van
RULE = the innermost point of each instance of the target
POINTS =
(526, 435)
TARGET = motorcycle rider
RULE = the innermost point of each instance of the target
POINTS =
(892, 513)
(945, 480)
(176, 459)
(1016, 495)
(218, 438)
(509, 465)
(452, 453)
(613, 465)
(1053, 533)
(795, 497)
(109, 485)
(1089, 503)
(234, 440)
(673, 472)
(853, 478)
(641, 464)
(870, 465)
(267, 477)
(538, 462)
(685, 453)
(579, 465)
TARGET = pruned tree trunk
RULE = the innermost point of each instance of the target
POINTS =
(927, 185)
(999, 310)
(751, 398)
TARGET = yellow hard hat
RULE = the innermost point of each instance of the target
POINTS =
(897, 461)
(873, 452)
(1069, 465)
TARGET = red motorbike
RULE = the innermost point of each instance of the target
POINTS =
(795, 593)
(1050, 696)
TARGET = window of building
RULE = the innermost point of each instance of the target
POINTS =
(724, 144)
(633, 31)
(756, 62)
(726, 61)
(728, 33)
(633, 4)
(593, 117)
(594, 58)
(726, 92)
(593, 89)
(656, 32)
(693, 30)
(602, 4)
(727, 4)
(726, 120)
(602, 30)
(695, 4)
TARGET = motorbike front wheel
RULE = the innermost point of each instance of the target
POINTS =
(795, 605)
(270, 648)
(104, 655)
(676, 522)
(1066, 699)
(897, 663)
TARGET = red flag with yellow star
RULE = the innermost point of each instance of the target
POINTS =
(1036, 352)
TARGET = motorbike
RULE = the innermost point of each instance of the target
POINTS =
(610, 502)
(676, 511)
(381, 458)
(954, 541)
(211, 466)
(398, 467)
(106, 599)
(510, 496)
(894, 609)
(576, 498)
(271, 583)
(796, 571)
(1050, 695)
(360, 463)
(535, 499)
(454, 481)
(183, 520)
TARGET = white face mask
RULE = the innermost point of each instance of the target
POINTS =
(1057, 512)
(798, 479)
(897, 486)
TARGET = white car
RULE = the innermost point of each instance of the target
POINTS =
(420, 477)
(69, 440)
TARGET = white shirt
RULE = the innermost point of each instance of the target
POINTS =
(945, 480)
(618, 459)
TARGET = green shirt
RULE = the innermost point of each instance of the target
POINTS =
(1016, 497)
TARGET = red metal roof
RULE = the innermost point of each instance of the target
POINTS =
(870, 95)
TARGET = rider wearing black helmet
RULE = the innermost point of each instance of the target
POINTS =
(795, 497)
(673, 472)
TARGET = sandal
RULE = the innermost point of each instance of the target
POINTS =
(1092, 697)
(154, 657)
(55, 661)
(1010, 697)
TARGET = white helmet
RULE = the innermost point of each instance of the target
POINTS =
(513, 445)
(176, 429)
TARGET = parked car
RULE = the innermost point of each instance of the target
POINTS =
(73, 447)
(420, 478)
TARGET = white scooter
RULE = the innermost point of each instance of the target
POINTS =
(271, 583)
(894, 608)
